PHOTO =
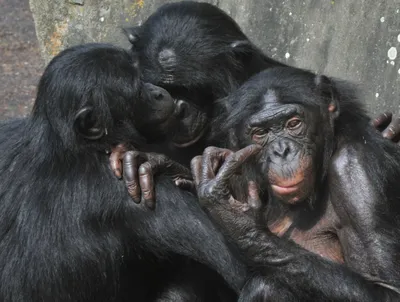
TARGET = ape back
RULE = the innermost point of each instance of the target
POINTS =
(58, 230)
(68, 227)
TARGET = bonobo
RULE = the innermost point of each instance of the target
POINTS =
(199, 54)
(332, 185)
(69, 230)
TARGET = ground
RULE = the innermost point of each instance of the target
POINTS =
(20, 62)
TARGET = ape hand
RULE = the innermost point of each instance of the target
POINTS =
(390, 128)
(212, 173)
(138, 170)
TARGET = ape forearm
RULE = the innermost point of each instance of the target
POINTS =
(306, 275)
(178, 225)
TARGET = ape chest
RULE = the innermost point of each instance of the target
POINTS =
(319, 239)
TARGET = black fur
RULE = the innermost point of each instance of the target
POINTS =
(69, 231)
(199, 54)
(355, 199)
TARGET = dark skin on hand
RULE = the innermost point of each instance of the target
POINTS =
(170, 58)
(139, 168)
(328, 226)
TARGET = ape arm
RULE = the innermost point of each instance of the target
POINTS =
(179, 225)
(280, 263)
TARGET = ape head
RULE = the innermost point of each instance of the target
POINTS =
(92, 95)
(292, 113)
(190, 44)
(199, 54)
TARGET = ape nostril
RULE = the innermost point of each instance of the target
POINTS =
(286, 152)
(158, 96)
(281, 151)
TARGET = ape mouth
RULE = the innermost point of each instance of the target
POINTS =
(287, 189)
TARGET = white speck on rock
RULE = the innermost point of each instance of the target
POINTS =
(382, 19)
(377, 95)
(398, 38)
(392, 53)
(392, 63)
(287, 55)
(398, 71)
(290, 13)
(308, 39)
(102, 19)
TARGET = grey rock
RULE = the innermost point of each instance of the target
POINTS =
(354, 40)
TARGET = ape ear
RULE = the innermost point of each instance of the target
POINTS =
(87, 125)
(132, 33)
(326, 88)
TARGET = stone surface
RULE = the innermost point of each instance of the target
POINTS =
(354, 40)
(20, 61)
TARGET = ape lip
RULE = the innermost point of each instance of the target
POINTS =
(284, 190)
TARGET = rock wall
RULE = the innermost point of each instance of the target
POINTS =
(354, 40)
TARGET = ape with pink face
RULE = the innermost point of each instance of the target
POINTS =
(332, 184)
(295, 131)
(289, 157)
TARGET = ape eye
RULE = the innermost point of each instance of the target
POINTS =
(293, 123)
(258, 134)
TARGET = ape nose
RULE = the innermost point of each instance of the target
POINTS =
(281, 149)
(156, 93)
(167, 58)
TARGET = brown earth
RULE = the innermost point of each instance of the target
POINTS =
(20, 62)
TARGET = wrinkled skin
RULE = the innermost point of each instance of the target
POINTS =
(142, 188)
(139, 169)
(337, 225)
(199, 54)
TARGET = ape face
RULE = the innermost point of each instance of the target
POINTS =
(99, 99)
(288, 134)
(284, 111)
(198, 53)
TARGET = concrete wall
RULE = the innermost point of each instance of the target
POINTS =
(354, 40)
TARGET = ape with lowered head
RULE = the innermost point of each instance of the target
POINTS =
(332, 188)
(69, 230)
(199, 54)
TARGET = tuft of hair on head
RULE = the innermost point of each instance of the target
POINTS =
(84, 90)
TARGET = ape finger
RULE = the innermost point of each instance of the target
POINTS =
(253, 199)
(234, 162)
(186, 184)
(146, 182)
(117, 153)
(130, 166)
(392, 132)
(197, 169)
(212, 159)
(382, 121)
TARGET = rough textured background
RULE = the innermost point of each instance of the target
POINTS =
(20, 60)
(355, 40)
